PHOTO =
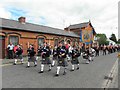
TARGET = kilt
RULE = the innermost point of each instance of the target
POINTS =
(85, 56)
(92, 55)
(75, 60)
(32, 59)
(46, 60)
(18, 56)
(62, 62)
(55, 58)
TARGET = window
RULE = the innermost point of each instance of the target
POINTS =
(56, 42)
(62, 42)
(40, 41)
(14, 40)
(68, 41)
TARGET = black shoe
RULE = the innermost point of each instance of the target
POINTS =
(35, 65)
(64, 73)
(52, 65)
(41, 72)
(72, 70)
(27, 66)
(77, 68)
(14, 63)
(49, 70)
(56, 75)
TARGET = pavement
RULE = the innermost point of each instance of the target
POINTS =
(88, 76)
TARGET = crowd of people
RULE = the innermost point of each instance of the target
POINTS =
(61, 55)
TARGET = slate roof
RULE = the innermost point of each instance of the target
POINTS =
(80, 25)
(12, 24)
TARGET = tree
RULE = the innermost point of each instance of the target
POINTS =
(118, 41)
(102, 39)
(113, 38)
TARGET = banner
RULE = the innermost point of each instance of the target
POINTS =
(86, 36)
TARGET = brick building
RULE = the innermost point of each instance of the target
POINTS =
(84, 30)
(22, 32)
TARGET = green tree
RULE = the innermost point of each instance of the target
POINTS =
(118, 41)
(102, 39)
(113, 38)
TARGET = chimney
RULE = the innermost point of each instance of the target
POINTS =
(21, 20)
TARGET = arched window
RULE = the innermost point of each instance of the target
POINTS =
(14, 40)
(40, 41)
(68, 41)
(56, 42)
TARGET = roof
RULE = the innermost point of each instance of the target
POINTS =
(80, 25)
(12, 24)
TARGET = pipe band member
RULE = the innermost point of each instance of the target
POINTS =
(75, 55)
(45, 54)
(39, 52)
(18, 54)
(92, 54)
(31, 56)
(54, 56)
(86, 55)
(61, 51)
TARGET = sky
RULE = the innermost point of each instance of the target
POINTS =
(103, 14)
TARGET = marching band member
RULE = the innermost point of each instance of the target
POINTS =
(104, 49)
(18, 54)
(31, 56)
(61, 51)
(75, 55)
(54, 55)
(92, 54)
(86, 55)
(45, 53)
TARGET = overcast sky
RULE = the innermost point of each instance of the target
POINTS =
(103, 14)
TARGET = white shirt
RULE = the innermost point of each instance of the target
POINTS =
(10, 46)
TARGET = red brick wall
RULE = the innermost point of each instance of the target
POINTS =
(32, 38)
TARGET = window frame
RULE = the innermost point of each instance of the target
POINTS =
(14, 36)
(39, 39)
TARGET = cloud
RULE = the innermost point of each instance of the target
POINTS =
(61, 13)
(4, 13)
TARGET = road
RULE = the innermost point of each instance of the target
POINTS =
(88, 76)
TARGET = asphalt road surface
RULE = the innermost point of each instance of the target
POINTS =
(88, 76)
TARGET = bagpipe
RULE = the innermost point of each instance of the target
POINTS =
(43, 54)
(54, 53)
(75, 53)
(92, 52)
(62, 53)
(85, 55)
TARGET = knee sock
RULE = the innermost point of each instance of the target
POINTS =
(50, 66)
(42, 67)
(28, 63)
(21, 60)
(73, 67)
(58, 69)
(15, 61)
(35, 62)
(65, 69)
(53, 63)
(78, 65)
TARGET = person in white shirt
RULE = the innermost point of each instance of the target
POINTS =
(10, 50)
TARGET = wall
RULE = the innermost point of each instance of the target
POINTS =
(26, 38)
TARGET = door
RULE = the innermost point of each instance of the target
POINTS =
(2, 46)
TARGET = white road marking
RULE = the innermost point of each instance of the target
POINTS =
(112, 74)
